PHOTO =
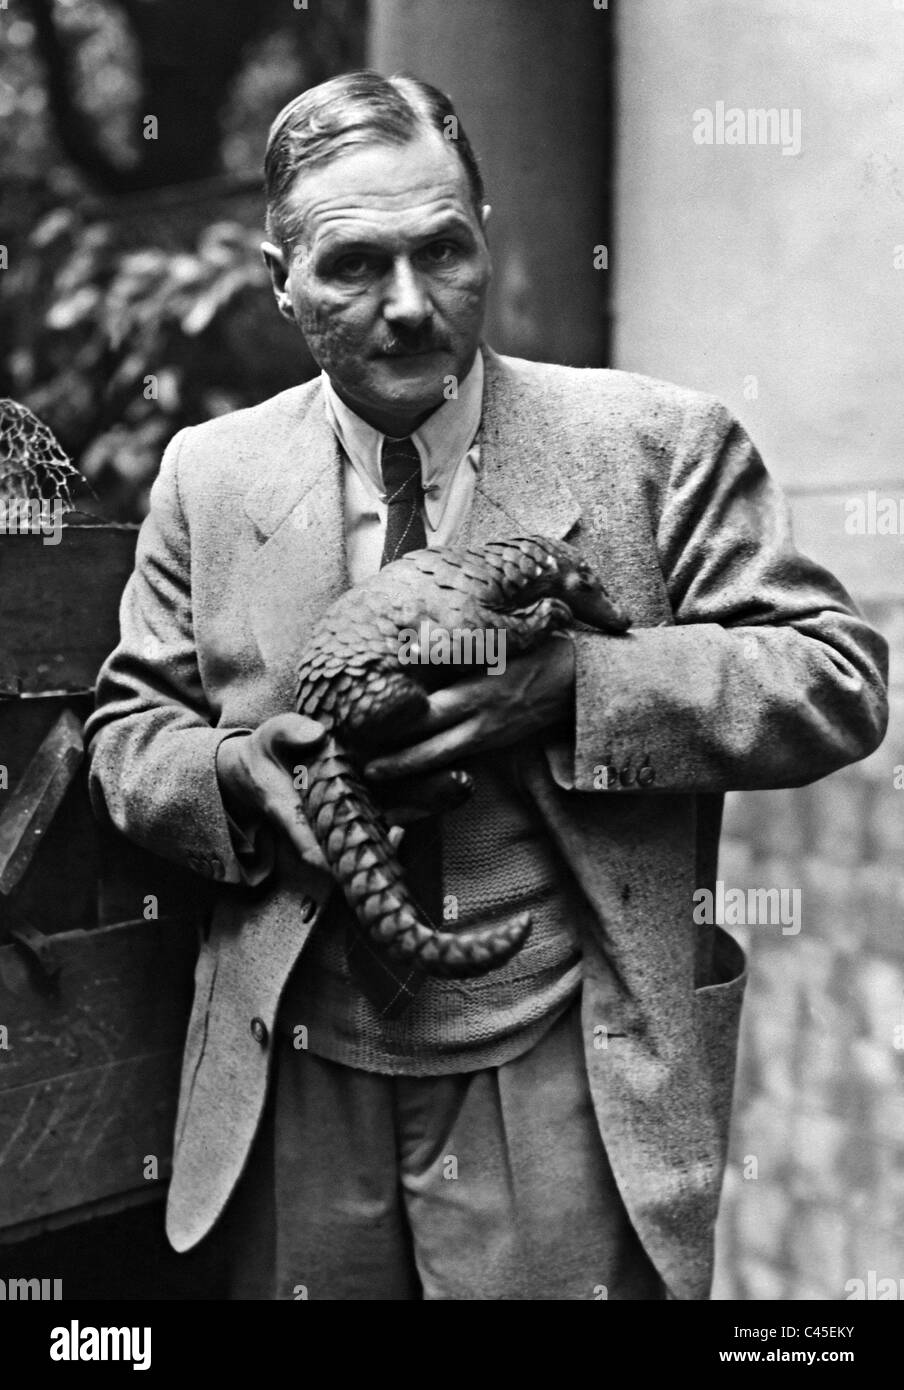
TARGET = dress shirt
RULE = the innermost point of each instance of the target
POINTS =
(450, 459)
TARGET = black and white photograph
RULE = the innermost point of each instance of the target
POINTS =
(451, 735)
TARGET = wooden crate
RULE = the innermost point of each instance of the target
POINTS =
(94, 998)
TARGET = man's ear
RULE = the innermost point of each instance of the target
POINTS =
(275, 261)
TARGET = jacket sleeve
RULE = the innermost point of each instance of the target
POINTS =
(767, 677)
(152, 743)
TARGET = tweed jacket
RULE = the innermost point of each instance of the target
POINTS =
(747, 667)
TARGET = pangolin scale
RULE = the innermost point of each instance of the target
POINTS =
(353, 679)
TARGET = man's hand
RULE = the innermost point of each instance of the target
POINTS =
(534, 693)
(256, 773)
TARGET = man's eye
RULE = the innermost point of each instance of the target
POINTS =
(439, 252)
(352, 267)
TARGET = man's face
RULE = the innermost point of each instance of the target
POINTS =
(387, 278)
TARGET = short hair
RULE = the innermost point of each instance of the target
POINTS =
(358, 108)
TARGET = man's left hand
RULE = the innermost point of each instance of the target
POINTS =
(534, 693)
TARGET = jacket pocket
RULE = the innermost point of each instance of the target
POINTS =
(718, 1015)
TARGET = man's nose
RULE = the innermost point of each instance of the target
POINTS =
(406, 301)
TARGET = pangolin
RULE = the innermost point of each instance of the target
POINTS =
(354, 678)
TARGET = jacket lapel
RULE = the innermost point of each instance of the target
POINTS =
(296, 506)
(519, 489)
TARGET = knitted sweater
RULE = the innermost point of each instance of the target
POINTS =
(497, 861)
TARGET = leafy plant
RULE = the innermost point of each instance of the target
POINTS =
(133, 342)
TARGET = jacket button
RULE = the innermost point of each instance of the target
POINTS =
(646, 776)
(626, 776)
(259, 1031)
(216, 866)
(308, 908)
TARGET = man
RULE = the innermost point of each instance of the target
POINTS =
(556, 1128)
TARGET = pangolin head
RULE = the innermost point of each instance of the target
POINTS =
(577, 585)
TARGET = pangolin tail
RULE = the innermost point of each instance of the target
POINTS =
(355, 844)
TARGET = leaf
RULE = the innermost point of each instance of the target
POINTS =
(141, 265)
(220, 402)
(52, 227)
(168, 394)
(130, 370)
(185, 269)
(205, 309)
(68, 312)
(224, 242)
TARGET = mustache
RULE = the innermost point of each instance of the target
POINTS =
(402, 344)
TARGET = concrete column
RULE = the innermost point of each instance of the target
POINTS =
(531, 82)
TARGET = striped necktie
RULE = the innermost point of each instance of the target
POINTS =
(400, 465)
(388, 984)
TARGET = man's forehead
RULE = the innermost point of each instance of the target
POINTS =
(358, 227)
(421, 180)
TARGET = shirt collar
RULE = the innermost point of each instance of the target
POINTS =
(441, 441)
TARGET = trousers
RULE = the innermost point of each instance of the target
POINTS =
(481, 1185)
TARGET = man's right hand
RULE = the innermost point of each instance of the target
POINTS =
(256, 773)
